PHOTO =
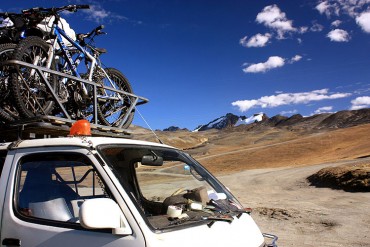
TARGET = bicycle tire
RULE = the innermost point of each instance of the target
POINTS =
(112, 112)
(36, 100)
(8, 113)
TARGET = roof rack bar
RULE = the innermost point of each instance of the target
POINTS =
(51, 126)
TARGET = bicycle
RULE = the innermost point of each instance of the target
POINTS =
(32, 96)
(17, 26)
(8, 113)
(14, 27)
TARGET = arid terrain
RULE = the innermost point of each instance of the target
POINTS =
(285, 204)
(267, 169)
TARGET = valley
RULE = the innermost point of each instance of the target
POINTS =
(267, 167)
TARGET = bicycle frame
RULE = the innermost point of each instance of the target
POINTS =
(59, 33)
(83, 54)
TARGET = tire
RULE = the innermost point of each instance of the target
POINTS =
(112, 112)
(8, 112)
(37, 100)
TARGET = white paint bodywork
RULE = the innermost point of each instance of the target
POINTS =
(241, 231)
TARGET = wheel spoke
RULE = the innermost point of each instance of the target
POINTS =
(113, 112)
(29, 89)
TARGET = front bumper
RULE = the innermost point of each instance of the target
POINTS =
(271, 238)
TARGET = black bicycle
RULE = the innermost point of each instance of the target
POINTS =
(14, 27)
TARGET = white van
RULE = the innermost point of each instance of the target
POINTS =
(96, 191)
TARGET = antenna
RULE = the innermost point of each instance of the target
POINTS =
(160, 141)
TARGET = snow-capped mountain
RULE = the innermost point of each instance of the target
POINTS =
(230, 120)
(253, 119)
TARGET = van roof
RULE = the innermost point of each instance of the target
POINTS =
(75, 141)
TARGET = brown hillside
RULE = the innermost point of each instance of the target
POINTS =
(236, 149)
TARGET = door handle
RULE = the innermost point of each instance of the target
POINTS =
(11, 242)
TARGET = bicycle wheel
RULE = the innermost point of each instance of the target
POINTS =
(8, 113)
(31, 95)
(111, 109)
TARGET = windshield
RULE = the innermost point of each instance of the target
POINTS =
(169, 187)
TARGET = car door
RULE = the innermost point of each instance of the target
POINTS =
(45, 191)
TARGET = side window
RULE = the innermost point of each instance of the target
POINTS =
(54, 186)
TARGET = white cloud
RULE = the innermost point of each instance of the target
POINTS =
(336, 23)
(337, 7)
(288, 99)
(322, 7)
(360, 102)
(316, 27)
(363, 20)
(355, 9)
(294, 59)
(272, 63)
(243, 41)
(328, 8)
(98, 14)
(271, 16)
(351, 7)
(324, 109)
(303, 29)
(338, 35)
(258, 40)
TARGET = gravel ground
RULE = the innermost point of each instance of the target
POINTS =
(286, 205)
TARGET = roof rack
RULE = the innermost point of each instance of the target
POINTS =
(50, 126)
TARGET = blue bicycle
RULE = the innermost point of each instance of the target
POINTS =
(60, 52)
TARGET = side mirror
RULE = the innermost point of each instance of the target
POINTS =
(104, 213)
(151, 160)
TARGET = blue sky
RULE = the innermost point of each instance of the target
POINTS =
(198, 60)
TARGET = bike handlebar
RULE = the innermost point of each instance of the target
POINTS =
(83, 6)
(52, 11)
(95, 31)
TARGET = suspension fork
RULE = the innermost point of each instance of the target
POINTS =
(92, 66)
(51, 53)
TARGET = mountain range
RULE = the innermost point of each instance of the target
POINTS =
(340, 119)
(271, 141)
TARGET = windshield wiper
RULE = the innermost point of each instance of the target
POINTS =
(179, 221)
(213, 219)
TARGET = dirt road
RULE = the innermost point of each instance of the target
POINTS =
(301, 215)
